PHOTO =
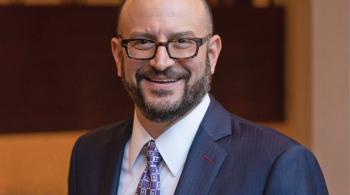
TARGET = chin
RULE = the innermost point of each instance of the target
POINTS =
(163, 101)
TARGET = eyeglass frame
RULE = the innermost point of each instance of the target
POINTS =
(199, 42)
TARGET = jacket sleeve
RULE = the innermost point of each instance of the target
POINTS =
(296, 171)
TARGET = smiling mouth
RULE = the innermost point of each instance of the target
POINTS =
(162, 81)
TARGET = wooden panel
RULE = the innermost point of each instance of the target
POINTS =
(249, 74)
(58, 72)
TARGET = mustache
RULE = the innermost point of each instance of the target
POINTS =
(168, 73)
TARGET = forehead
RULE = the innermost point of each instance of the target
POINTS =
(163, 17)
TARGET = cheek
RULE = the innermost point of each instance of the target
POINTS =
(129, 70)
(196, 67)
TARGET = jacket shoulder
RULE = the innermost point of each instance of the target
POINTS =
(102, 136)
(260, 139)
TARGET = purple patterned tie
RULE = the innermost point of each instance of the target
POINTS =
(150, 180)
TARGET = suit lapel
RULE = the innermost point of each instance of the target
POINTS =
(206, 156)
(110, 171)
(202, 165)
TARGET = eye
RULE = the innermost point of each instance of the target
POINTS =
(182, 43)
(142, 44)
(182, 40)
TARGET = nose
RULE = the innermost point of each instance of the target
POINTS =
(161, 60)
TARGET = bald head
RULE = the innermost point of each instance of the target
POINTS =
(206, 19)
(177, 37)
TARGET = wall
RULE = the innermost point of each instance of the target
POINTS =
(297, 71)
(330, 94)
(38, 163)
(35, 163)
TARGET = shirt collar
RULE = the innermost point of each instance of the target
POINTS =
(139, 138)
(174, 143)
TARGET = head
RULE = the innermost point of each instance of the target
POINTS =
(164, 88)
(208, 16)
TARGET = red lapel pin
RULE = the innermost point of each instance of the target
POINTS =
(206, 157)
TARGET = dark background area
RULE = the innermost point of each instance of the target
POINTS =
(58, 72)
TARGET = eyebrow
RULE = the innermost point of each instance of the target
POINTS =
(142, 35)
(183, 34)
(153, 37)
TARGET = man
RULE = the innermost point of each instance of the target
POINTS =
(180, 140)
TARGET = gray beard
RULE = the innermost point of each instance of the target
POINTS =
(192, 95)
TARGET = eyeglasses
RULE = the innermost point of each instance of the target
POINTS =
(179, 48)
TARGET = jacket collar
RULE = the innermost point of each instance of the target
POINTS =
(217, 121)
(204, 159)
(206, 156)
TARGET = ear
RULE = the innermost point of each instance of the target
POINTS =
(214, 48)
(117, 51)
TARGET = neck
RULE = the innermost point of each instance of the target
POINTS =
(155, 129)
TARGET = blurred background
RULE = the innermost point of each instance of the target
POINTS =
(307, 63)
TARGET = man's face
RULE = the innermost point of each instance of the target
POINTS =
(162, 88)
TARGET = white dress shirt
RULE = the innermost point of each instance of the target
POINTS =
(173, 144)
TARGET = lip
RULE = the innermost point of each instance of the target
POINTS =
(162, 81)
(157, 83)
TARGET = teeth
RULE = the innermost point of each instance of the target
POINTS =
(163, 81)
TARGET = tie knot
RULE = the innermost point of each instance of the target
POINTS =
(152, 153)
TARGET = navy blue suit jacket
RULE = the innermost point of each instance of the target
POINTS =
(229, 155)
